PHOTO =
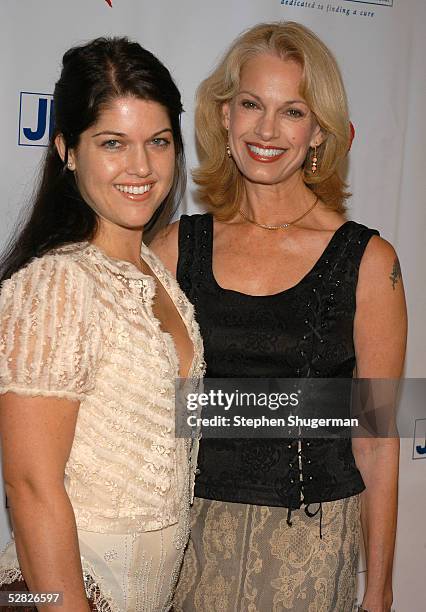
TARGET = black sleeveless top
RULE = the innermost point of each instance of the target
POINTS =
(304, 331)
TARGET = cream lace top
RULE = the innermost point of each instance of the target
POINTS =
(77, 324)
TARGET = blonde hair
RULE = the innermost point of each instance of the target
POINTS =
(219, 181)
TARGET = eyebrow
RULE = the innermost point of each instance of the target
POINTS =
(122, 134)
(260, 100)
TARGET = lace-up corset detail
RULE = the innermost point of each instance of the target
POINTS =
(305, 331)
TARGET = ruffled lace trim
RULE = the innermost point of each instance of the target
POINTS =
(96, 591)
(10, 574)
(36, 392)
(93, 585)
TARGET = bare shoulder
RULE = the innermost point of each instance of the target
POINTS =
(380, 327)
(380, 267)
(166, 246)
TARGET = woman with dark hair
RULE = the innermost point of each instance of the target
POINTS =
(93, 333)
(285, 287)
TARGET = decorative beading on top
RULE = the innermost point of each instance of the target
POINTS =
(303, 331)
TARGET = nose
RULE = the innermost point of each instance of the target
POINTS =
(138, 162)
(267, 126)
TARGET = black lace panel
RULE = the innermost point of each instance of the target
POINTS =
(304, 331)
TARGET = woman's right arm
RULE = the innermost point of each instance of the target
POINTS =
(50, 346)
(36, 435)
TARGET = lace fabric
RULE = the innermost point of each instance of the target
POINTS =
(246, 557)
(98, 601)
(122, 572)
(79, 325)
(305, 331)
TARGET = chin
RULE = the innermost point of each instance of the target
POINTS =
(134, 224)
(263, 180)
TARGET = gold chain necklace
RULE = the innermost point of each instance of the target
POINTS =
(282, 225)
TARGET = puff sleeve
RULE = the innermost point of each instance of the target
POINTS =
(50, 337)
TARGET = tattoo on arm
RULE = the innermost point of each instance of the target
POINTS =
(396, 273)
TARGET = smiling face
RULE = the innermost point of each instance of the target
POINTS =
(270, 127)
(124, 163)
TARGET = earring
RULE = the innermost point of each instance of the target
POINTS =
(314, 160)
(69, 165)
(228, 150)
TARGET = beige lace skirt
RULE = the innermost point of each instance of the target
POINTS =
(245, 558)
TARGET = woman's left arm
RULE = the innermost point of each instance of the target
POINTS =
(380, 332)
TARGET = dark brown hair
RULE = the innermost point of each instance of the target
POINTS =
(92, 76)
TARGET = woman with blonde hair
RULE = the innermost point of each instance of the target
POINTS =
(285, 287)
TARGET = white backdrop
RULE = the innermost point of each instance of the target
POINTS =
(381, 48)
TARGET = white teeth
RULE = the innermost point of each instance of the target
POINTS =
(265, 152)
(133, 189)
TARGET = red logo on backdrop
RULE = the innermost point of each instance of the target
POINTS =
(109, 2)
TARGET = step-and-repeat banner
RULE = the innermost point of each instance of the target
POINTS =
(381, 49)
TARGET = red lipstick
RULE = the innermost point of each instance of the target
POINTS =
(265, 159)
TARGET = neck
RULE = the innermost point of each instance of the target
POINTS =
(279, 203)
(119, 242)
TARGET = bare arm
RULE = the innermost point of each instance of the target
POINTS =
(165, 245)
(380, 339)
(36, 436)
